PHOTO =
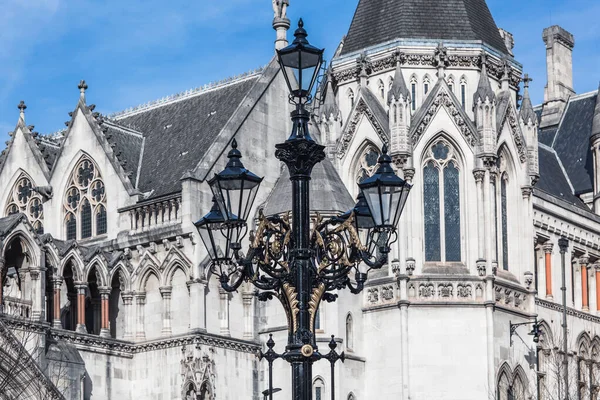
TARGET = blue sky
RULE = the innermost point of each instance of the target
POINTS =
(131, 52)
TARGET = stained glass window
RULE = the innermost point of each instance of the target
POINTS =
(71, 227)
(24, 199)
(431, 193)
(504, 225)
(441, 203)
(318, 393)
(452, 212)
(86, 220)
(86, 192)
(101, 221)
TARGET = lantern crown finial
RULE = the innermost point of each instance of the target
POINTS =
(300, 33)
(234, 156)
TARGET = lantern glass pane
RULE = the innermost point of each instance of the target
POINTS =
(207, 236)
(235, 197)
(374, 203)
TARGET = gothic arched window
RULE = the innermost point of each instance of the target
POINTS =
(381, 88)
(500, 203)
(441, 198)
(318, 389)
(367, 163)
(349, 332)
(451, 83)
(85, 202)
(350, 94)
(426, 83)
(24, 199)
(413, 92)
(463, 92)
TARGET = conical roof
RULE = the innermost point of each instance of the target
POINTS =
(484, 88)
(526, 111)
(328, 194)
(379, 21)
(399, 87)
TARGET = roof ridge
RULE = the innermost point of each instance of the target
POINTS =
(209, 87)
(116, 124)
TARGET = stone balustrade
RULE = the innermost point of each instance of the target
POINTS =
(449, 290)
(152, 214)
(16, 307)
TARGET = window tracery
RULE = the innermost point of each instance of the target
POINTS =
(367, 163)
(24, 199)
(441, 201)
(85, 202)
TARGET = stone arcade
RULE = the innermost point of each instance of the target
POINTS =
(105, 281)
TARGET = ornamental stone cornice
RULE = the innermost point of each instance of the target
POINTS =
(495, 67)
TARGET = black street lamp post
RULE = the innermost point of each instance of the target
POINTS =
(303, 260)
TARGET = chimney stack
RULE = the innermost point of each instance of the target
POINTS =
(559, 66)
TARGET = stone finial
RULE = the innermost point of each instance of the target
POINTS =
(526, 113)
(506, 72)
(22, 107)
(399, 89)
(82, 88)
(484, 88)
(363, 64)
(330, 108)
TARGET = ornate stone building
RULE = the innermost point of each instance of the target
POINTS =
(101, 261)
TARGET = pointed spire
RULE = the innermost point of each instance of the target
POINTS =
(82, 88)
(484, 89)
(330, 106)
(399, 87)
(22, 108)
(526, 113)
(596, 122)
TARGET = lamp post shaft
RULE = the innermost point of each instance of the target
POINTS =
(300, 153)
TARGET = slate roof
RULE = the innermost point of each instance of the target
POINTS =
(178, 133)
(128, 147)
(49, 151)
(553, 180)
(377, 108)
(9, 222)
(328, 192)
(379, 21)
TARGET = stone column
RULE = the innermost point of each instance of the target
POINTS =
(81, 288)
(140, 301)
(197, 305)
(128, 310)
(409, 174)
(104, 311)
(247, 298)
(585, 306)
(494, 189)
(592, 292)
(479, 174)
(36, 286)
(57, 282)
(166, 292)
(489, 317)
(597, 271)
(224, 314)
(404, 359)
(548, 246)
(489, 220)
